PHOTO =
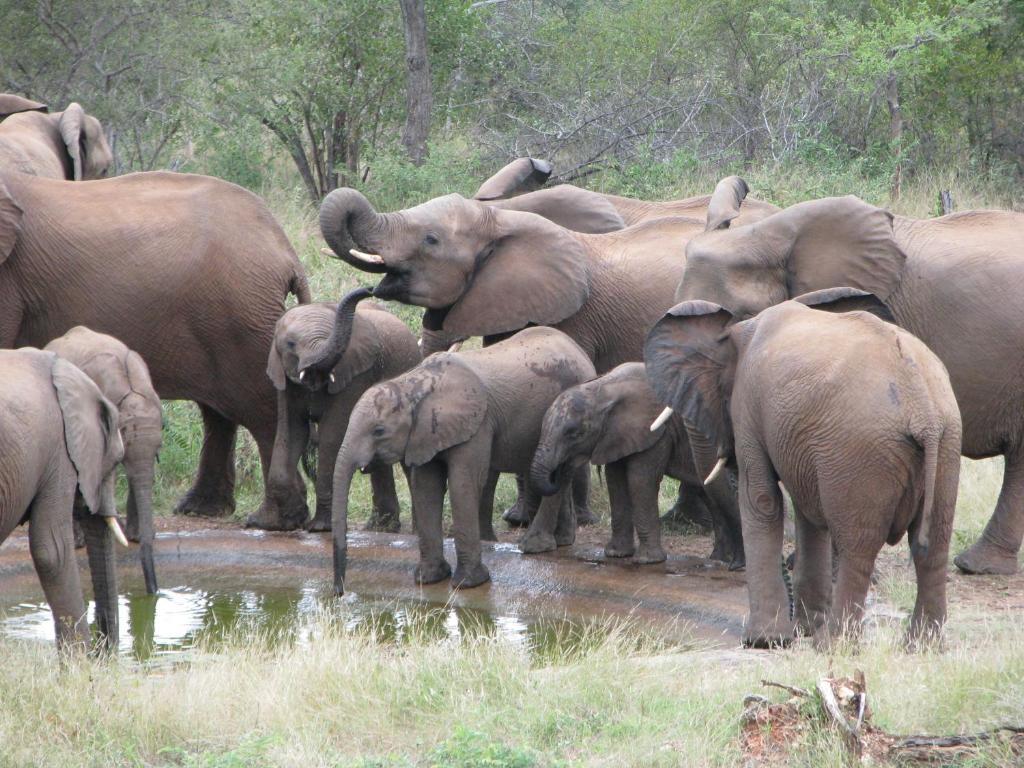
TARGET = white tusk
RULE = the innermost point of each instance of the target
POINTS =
(302, 374)
(455, 347)
(662, 418)
(715, 471)
(419, 343)
(116, 530)
(371, 258)
(328, 252)
(332, 378)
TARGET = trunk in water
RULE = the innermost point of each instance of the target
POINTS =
(347, 221)
(344, 470)
(99, 543)
(140, 504)
(340, 335)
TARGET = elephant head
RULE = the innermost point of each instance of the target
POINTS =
(316, 347)
(490, 271)
(601, 421)
(12, 104)
(832, 242)
(91, 156)
(437, 405)
(524, 174)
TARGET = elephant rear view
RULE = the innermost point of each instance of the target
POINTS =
(853, 415)
(62, 145)
(59, 441)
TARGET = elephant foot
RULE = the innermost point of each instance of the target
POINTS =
(686, 513)
(279, 518)
(983, 558)
(431, 573)
(131, 529)
(620, 549)
(487, 531)
(649, 555)
(565, 538)
(383, 524)
(471, 576)
(197, 504)
(809, 622)
(585, 517)
(535, 542)
(738, 563)
(319, 524)
(767, 640)
(516, 515)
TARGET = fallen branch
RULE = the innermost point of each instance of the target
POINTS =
(791, 688)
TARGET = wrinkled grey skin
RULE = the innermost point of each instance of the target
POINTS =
(854, 416)
(607, 421)
(459, 419)
(123, 378)
(64, 145)
(339, 354)
(58, 434)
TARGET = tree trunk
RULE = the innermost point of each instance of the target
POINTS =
(419, 99)
(892, 97)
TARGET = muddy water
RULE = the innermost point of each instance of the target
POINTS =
(215, 583)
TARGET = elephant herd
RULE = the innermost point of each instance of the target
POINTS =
(830, 349)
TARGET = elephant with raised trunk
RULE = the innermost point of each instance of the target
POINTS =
(608, 421)
(62, 145)
(123, 378)
(190, 272)
(954, 282)
(459, 419)
(60, 445)
(323, 358)
(853, 415)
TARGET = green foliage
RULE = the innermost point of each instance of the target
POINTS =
(472, 749)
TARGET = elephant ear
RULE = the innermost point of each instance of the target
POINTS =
(571, 207)
(522, 175)
(138, 373)
(275, 368)
(627, 420)
(845, 299)
(725, 202)
(90, 429)
(691, 360)
(534, 273)
(12, 104)
(451, 410)
(363, 352)
(10, 222)
(72, 125)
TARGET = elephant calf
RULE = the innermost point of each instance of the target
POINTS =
(855, 416)
(460, 419)
(123, 378)
(607, 421)
(323, 358)
(58, 433)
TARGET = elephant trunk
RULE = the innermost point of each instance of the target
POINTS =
(343, 472)
(547, 473)
(348, 222)
(140, 507)
(336, 345)
(99, 543)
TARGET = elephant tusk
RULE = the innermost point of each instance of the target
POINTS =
(419, 343)
(715, 471)
(332, 378)
(369, 258)
(112, 524)
(302, 374)
(455, 347)
(328, 252)
(662, 418)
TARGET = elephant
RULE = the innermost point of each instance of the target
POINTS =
(483, 271)
(60, 442)
(66, 145)
(123, 378)
(188, 271)
(524, 174)
(951, 281)
(324, 356)
(607, 421)
(460, 418)
(857, 419)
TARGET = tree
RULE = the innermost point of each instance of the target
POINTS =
(419, 93)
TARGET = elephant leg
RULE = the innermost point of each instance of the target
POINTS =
(689, 509)
(643, 483)
(385, 515)
(213, 493)
(581, 496)
(851, 592)
(518, 516)
(565, 526)
(540, 536)
(728, 526)
(427, 484)
(487, 508)
(407, 471)
(467, 477)
(812, 576)
(284, 505)
(997, 549)
(621, 544)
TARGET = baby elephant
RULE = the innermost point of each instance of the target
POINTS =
(607, 421)
(460, 419)
(323, 358)
(123, 378)
(58, 433)
(855, 416)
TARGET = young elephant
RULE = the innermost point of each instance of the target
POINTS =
(58, 433)
(123, 378)
(607, 421)
(323, 358)
(462, 418)
(857, 419)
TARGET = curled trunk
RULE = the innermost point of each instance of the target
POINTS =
(336, 345)
(99, 543)
(546, 476)
(347, 221)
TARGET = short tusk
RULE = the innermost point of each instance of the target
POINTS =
(302, 374)
(332, 378)
(419, 343)
(370, 258)
(116, 530)
(715, 471)
(662, 418)
(328, 252)
(455, 347)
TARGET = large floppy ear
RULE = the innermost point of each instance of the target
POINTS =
(691, 360)
(630, 406)
(534, 272)
(845, 299)
(522, 175)
(450, 412)
(362, 353)
(725, 202)
(275, 368)
(571, 207)
(72, 126)
(11, 104)
(10, 222)
(90, 429)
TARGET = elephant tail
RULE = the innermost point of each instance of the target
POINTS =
(298, 286)
(930, 441)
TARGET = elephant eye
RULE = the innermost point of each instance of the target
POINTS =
(378, 431)
(430, 239)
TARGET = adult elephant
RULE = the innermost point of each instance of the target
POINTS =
(483, 271)
(62, 145)
(189, 271)
(954, 282)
